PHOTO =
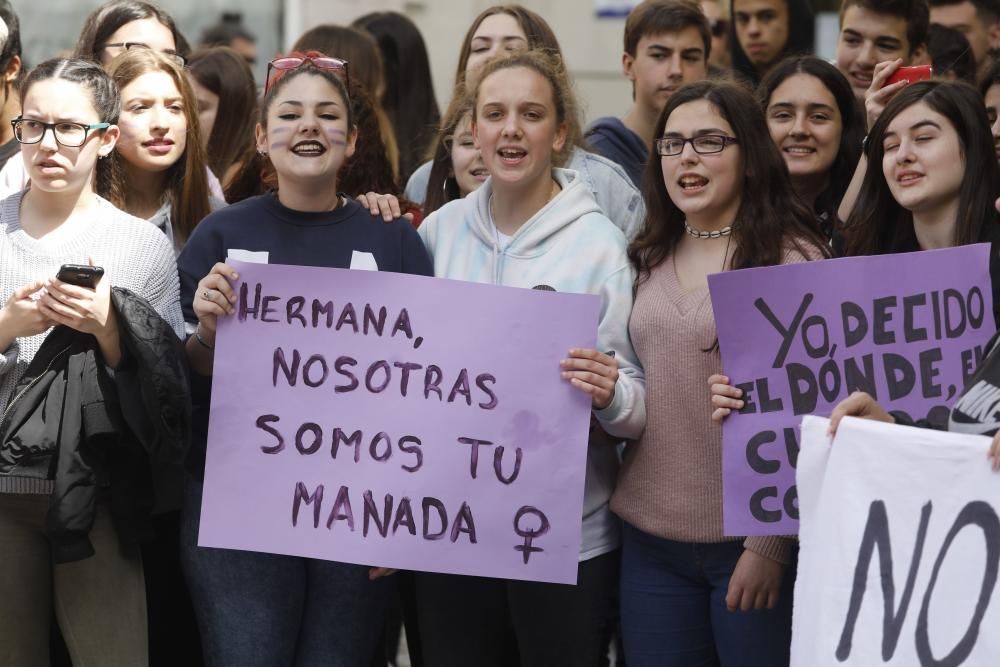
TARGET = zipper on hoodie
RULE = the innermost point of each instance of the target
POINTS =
(496, 263)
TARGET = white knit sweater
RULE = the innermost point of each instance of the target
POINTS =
(135, 255)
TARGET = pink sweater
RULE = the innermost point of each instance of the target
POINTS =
(670, 484)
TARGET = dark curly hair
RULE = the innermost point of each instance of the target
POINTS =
(369, 169)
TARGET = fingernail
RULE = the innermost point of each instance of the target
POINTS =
(739, 403)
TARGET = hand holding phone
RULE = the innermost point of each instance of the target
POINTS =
(80, 275)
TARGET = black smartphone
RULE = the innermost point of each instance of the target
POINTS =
(81, 275)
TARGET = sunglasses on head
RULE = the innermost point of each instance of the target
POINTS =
(718, 27)
(278, 66)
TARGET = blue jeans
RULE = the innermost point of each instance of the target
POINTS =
(267, 610)
(673, 597)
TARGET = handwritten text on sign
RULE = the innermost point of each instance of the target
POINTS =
(399, 421)
(900, 548)
(907, 328)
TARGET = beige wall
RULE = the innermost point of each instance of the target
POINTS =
(592, 46)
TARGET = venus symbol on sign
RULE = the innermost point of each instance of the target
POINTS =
(529, 535)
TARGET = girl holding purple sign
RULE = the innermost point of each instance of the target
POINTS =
(928, 139)
(268, 609)
(536, 226)
(930, 136)
(690, 594)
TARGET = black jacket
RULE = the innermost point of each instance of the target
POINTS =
(977, 408)
(88, 427)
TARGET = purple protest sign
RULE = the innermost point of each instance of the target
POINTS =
(907, 328)
(399, 421)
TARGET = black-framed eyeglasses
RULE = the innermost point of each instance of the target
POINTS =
(719, 27)
(128, 46)
(704, 144)
(283, 64)
(70, 135)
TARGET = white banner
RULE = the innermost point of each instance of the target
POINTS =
(900, 548)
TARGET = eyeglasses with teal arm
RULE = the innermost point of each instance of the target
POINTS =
(68, 134)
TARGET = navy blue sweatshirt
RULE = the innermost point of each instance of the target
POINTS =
(280, 235)
(609, 137)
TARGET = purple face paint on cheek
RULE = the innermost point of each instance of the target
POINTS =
(336, 137)
(275, 140)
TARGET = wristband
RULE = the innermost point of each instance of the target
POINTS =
(201, 341)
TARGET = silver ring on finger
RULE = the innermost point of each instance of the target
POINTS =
(206, 295)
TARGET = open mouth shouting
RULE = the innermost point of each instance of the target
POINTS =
(692, 183)
(511, 155)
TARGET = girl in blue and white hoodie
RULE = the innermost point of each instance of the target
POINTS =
(535, 226)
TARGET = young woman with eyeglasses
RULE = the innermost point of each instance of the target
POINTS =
(718, 198)
(75, 561)
(265, 609)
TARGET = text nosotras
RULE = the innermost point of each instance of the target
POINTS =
(375, 376)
